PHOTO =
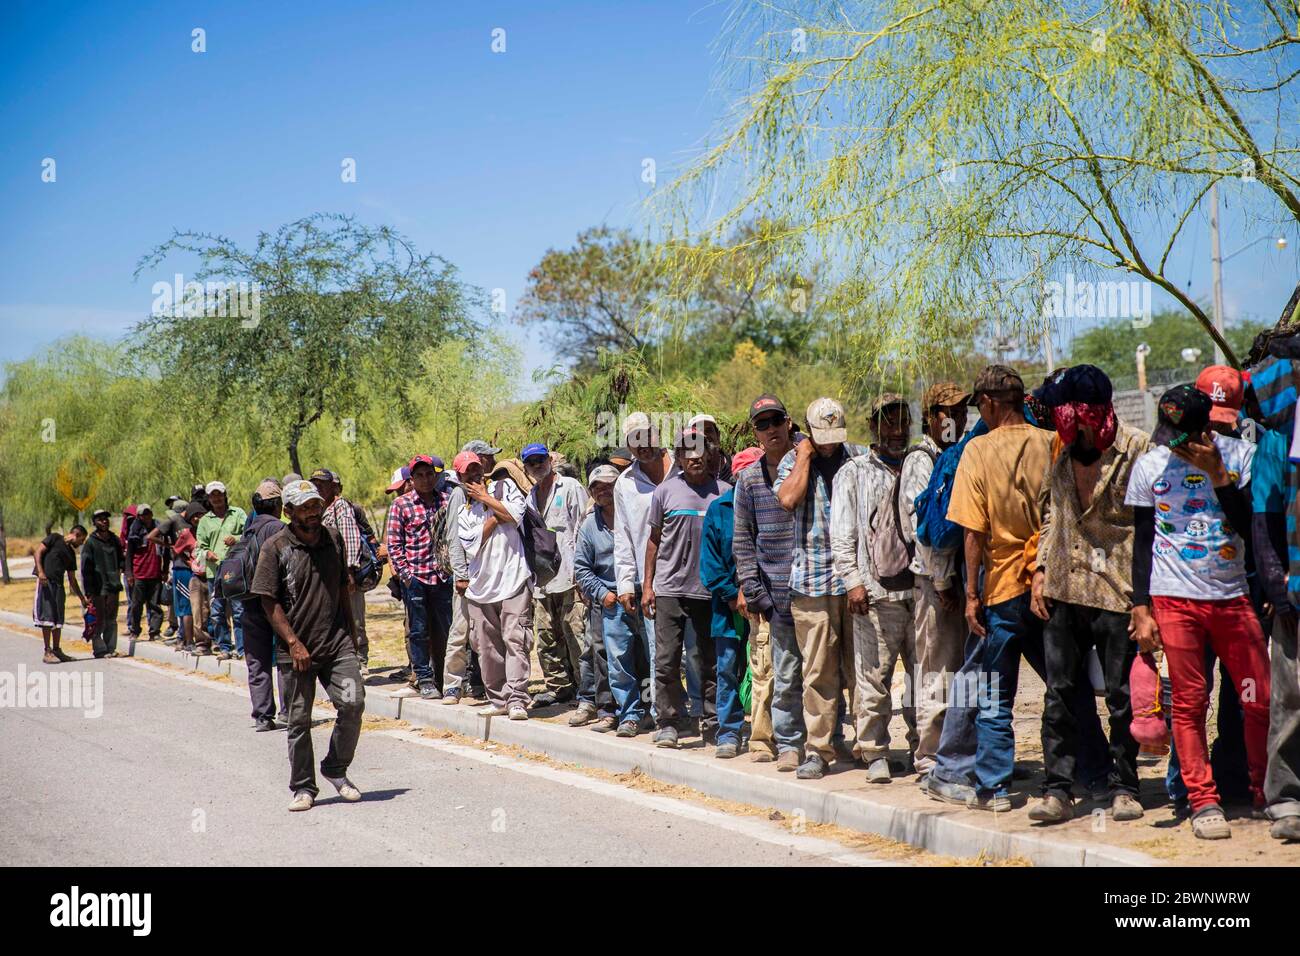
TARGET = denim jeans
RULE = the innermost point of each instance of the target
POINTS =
(731, 670)
(787, 687)
(622, 633)
(428, 622)
(959, 743)
(219, 625)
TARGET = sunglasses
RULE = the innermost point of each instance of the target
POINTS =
(764, 424)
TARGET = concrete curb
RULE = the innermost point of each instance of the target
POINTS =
(934, 830)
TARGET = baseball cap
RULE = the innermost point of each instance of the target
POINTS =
(621, 456)
(460, 464)
(479, 447)
(528, 451)
(141, 509)
(324, 474)
(944, 395)
(1085, 384)
(602, 473)
(743, 459)
(194, 510)
(437, 463)
(268, 489)
(420, 460)
(102, 513)
(887, 400)
(214, 486)
(171, 500)
(997, 380)
(400, 477)
(690, 443)
(300, 492)
(826, 422)
(766, 403)
(701, 419)
(638, 422)
(1226, 391)
(1182, 412)
(289, 479)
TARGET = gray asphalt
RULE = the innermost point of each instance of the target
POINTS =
(171, 773)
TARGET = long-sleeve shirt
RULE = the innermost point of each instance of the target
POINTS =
(1086, 555)
(762, 543)
(459, 563)
(212, 532)
(102, 562)
(593, 560)
(410, 538)
(340, 517)
(717, 568)
(562, 512)
(863, 485)
(937, 564)
(632, 493)
(812, 571)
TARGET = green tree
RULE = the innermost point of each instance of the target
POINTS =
(1112, 345)
(948, 159)
(299, 325)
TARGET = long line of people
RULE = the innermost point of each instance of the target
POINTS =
(679, 587)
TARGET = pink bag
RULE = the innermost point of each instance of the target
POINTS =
(1148, 727)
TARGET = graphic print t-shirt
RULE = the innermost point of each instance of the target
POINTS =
(1197, 553)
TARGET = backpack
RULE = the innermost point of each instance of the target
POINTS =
(438, 531)
(367, 574)
(235, 573)
(933, 529)
(541, 547)
(891, 553)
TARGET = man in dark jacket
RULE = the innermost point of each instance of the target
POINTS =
(102, 562)
(259, 639)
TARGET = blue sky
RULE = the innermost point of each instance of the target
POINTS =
(487, 159)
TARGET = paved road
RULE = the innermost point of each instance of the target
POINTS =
(171, 773)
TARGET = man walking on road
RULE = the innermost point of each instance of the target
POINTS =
(302, 580)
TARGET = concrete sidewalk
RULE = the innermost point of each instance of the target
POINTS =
(898, 811)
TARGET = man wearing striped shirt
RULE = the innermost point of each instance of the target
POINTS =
(822, 623)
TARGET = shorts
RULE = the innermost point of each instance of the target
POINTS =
(47, 609)
(181, 592)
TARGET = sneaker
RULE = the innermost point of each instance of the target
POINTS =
(170, 632)
(1052, 809)
(302, 800)
(603, 725)
(518, 712)
(545, 699)
(1209, 823)
(49, 658)
(1288, 828)
(666, 737)
(429, 690)
(878, 771)
(788, 761)
(584, 715)
(493, 710)
(958, 794)
(1126, 807)
(345, 788)
(726, 751)
(452, 696)
(762, 756)
(264, 724)
(222, 656)
(814, 768)
(994, 802)
(628, 728)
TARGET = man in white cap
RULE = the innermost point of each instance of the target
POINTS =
(302, 578)
(218, 530)
(632, 493)
(823, 626)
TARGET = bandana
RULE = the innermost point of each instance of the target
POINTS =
(1101, 418)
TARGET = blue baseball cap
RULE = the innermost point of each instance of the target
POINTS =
(536, 448)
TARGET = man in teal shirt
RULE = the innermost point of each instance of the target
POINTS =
(218, 530)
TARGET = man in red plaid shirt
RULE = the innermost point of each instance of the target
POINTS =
(426, 584)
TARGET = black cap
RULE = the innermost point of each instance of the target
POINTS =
(1079, 383)
(1182, 412)
(766, 403)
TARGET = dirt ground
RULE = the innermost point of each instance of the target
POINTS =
(1159, 834)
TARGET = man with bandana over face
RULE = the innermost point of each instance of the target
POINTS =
(1082, 585)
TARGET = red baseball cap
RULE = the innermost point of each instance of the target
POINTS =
(1224, 386)
(460, 464)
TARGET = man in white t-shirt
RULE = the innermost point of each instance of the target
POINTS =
(499, 591)
(1191, 501)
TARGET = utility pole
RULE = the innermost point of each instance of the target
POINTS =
(1216, 263)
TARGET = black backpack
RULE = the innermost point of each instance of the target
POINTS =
(235, 573)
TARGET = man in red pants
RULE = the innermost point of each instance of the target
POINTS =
(1189, 587)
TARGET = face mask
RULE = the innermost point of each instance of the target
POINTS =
(1100, 418)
